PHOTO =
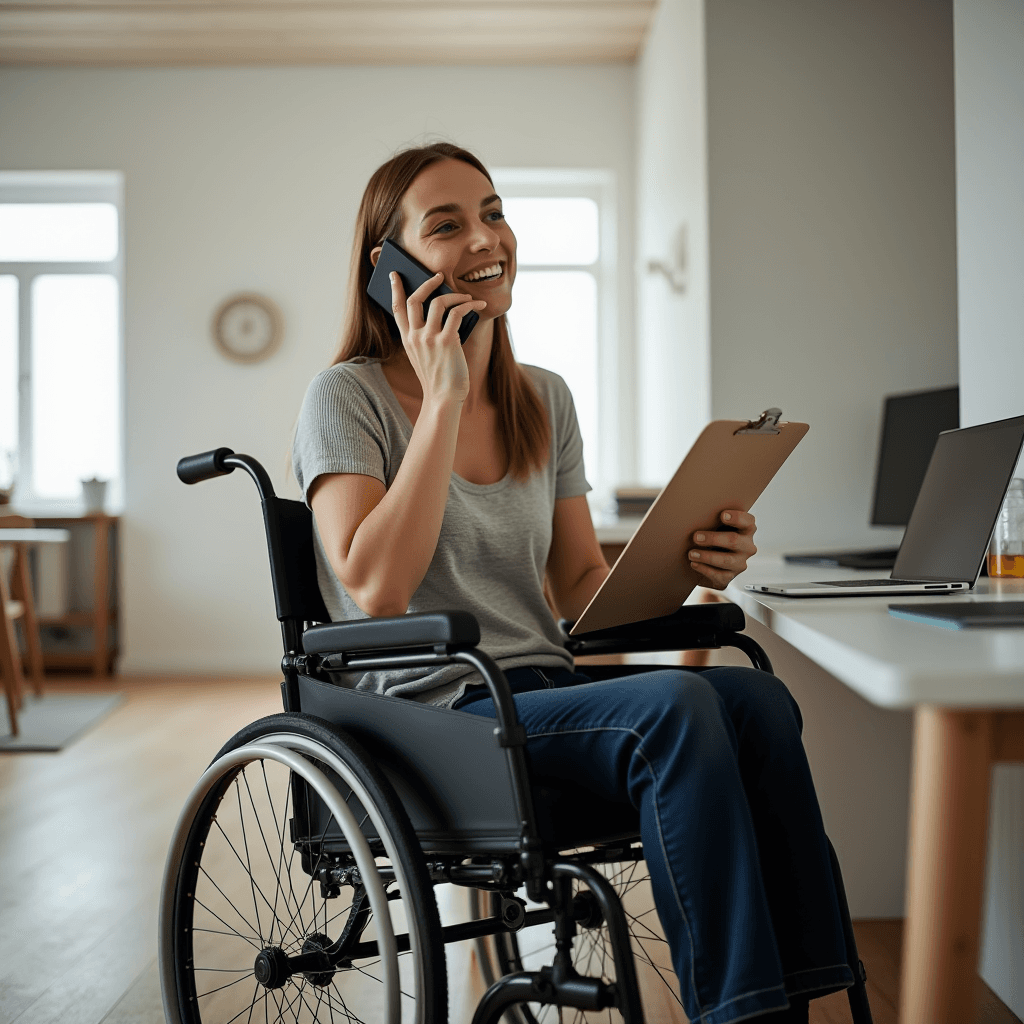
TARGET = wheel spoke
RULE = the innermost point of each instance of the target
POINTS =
(228, 900)
(217, 931)
(255, 945)
(203, 995)
(266, 845)
(309, 886)
(280, 838)
(373, 977)
(248, 863)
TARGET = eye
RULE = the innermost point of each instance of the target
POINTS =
(446, 228)
(495, 215)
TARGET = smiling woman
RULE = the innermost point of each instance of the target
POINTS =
(446, 476)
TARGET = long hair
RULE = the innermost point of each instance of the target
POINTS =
(523, 428)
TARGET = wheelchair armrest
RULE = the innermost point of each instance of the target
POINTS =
(455, 630)
(695, 626)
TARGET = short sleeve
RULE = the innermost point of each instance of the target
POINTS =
(339, 431)
(570, 477)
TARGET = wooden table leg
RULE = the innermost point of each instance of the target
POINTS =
(101, 597)
(10, 658)
(21, 580)
(946, 869)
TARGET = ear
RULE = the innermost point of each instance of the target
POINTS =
(375, 254)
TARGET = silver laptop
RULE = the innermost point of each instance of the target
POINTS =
(949, 529)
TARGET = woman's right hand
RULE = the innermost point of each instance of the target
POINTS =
(434, 351)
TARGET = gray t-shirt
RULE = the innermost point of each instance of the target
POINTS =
(493, 547)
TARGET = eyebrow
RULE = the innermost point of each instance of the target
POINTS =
(455, 208)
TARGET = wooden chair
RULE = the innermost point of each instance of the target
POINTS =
(16, 602)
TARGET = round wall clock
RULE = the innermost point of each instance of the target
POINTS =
(247, 327)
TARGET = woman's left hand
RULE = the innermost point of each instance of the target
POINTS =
(719, 556)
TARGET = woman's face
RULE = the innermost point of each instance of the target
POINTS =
(453, 223)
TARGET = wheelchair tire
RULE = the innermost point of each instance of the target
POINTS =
(532, 948)
(247, 887)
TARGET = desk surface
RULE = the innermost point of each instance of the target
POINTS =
(32, 535)
(892, 662)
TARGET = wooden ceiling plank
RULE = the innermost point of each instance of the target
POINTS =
(395, 55)
(187, 6)
(388, 21)
(137, 33)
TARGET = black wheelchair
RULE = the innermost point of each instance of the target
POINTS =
(299, 885)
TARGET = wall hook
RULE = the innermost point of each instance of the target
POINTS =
(676, 271)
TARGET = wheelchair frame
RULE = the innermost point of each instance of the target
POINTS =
(506, 843)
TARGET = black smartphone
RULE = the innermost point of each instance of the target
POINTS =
(413, 274)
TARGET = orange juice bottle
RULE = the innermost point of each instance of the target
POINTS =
(1006, 551)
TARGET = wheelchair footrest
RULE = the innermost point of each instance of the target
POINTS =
(543, 986)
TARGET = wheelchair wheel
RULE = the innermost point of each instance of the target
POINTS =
(532, 948)
(292, 845)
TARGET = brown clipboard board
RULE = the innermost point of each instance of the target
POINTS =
(729, 465)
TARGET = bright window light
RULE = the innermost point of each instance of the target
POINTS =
(75, 407)
(8, 376)
(553, 231)
(58, 232)
(553, 321)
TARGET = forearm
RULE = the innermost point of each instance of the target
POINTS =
(572, 601)
(392, 547)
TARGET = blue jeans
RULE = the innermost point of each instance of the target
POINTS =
(732, 834)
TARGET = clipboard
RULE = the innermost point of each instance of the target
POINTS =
(729, 465)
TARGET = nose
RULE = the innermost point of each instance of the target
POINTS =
(484, 238)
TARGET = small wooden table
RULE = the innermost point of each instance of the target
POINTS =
(102, 617)
(20, 538)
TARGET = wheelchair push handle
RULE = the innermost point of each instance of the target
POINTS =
(193, 469)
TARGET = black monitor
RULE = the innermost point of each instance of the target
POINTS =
(910, 426)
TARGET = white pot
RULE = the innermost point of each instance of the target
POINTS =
(94, 493)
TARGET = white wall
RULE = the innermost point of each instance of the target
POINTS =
(672, 329)
(990, 236)
(250, 179)
(833, 283)
(833, 266)
(820, 139)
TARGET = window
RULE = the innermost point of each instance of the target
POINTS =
(60, 334)
(563, 309)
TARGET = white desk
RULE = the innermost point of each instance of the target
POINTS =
(32, 535)
(967, 691)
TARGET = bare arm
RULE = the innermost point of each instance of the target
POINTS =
(380, 542)
(576, 566)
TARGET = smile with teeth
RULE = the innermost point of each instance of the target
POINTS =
(486, 274)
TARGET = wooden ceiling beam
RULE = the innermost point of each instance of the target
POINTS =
(242, 32)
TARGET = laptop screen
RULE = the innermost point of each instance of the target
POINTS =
(910, 425)
(960, 498)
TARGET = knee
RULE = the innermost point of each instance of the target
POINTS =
(758, 696)
(684, 701)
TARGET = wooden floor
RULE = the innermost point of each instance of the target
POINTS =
(83, 835)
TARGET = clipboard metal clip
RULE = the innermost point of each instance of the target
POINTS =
(767, 424)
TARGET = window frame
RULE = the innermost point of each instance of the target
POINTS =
(613, 386)
(62, 187)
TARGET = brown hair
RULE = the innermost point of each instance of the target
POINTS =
(523, 428)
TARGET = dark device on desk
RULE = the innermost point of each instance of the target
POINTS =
(963, 614)
(413, 274)
(949, 529)
(911, 423)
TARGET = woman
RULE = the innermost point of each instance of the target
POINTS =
(446, 476)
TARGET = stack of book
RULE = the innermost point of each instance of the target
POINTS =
(634, 501)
